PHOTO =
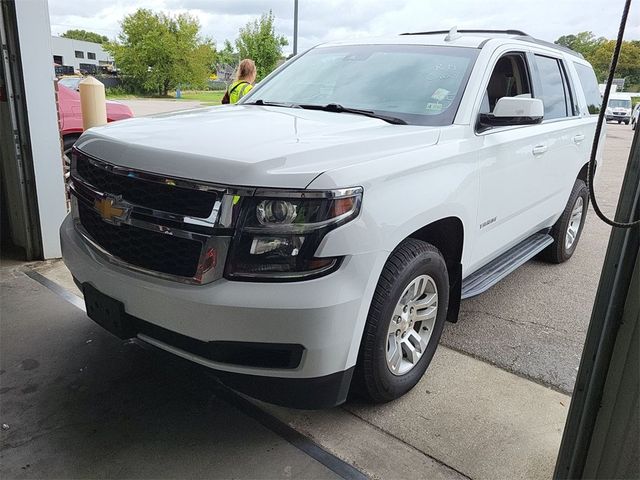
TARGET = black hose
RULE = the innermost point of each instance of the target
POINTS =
(596, 139)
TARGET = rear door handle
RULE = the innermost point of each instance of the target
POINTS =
(578, 138)
(539, 149)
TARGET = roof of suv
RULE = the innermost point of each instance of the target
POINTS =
(460, 38)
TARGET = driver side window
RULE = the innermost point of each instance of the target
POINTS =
(509, 78)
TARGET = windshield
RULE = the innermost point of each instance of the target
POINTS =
(419, 84)
(617, 103)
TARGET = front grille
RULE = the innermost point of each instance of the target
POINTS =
(153, 195)
(142, 248)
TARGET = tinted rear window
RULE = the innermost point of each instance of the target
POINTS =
(553, 88)
(589, 84)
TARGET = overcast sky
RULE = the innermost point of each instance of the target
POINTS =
(322, 20)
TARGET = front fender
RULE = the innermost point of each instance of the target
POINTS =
(397, 202)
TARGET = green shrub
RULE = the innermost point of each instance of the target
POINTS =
(116, 91)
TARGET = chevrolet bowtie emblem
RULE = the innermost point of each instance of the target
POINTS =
(109, 211)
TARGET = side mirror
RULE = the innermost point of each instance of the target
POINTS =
(513, 111)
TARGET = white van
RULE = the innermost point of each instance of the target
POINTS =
(618, 109)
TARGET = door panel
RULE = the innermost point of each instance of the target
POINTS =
(526, 173)
(512, 166)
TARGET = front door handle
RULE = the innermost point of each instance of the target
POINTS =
(578, 138)
(539, 149)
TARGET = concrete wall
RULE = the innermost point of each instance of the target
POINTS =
(38, 75)
(66, 48)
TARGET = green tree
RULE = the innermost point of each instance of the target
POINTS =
(85, 35)
(227, 56)
(598, 51)
(157, 52)
(583, 42)
(628, 62)
(227, 60)
(258, 40)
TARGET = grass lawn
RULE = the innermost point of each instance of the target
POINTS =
(120, 96)
(208, 97)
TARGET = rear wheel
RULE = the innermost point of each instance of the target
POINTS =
(566, 232)
(405, 321)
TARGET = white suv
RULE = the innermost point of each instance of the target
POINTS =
(317, 235)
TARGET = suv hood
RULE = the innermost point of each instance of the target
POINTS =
(251, 145)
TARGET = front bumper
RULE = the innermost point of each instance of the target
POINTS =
(618, 118)
(325, 316)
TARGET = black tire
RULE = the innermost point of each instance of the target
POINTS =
(627, 122)
(68, 141)
(558, 252)
(408, 261)
(67, 144)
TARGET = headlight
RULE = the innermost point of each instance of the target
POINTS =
(279, 232)
(276, 212)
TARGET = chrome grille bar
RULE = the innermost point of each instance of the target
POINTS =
(212, 233)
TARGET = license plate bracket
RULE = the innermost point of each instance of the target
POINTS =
(107, 312)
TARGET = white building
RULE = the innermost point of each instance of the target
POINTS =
(79, 54)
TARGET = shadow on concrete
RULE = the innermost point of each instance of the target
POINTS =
(80, 403)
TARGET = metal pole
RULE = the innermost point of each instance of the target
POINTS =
(15, 99)
(295, 27)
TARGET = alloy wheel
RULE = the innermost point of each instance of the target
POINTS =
(574, 223)
(411, 324)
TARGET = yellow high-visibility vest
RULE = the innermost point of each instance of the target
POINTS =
(238, 89)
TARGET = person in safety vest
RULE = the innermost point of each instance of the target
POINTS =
(245, 76)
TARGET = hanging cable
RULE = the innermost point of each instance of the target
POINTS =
(596, 139)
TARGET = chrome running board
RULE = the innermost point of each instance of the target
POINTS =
(494, 271)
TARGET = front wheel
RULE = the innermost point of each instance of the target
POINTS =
(405, 321)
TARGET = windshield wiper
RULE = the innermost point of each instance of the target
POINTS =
(272, 104)
(331, 107)
(337, 108)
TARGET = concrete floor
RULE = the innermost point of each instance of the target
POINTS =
(79, 403)
(479, 420)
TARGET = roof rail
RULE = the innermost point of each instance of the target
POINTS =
(551, 45)
(436, 32)
(525, 37)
